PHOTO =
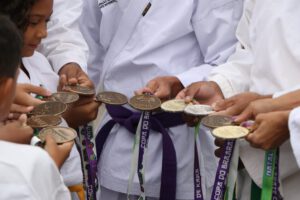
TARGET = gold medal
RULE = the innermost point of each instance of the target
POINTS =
(198, 110)
(230, 132)
(112, 98)
(215, 121)
(60, 134)
(49, 108)
(174, 105)
(145, 102)
(65, 97)
(81, 90)
(43, 121)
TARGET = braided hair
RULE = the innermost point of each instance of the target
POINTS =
(17, 11)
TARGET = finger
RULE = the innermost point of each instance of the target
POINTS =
(142, 91)
(181, 94)
(23, 119)
(50, 141)
(222, 104)
(16, 108)
(219, 142)
(62, 82)
(37, 90)
(245, 115)
(163, 92)
(218, 152)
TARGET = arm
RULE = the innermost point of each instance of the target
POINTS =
(64, 43)
(214, 28)
(294, 127)
(90, 28)
(234, 76)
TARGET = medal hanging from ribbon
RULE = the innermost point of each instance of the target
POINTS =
(270, 185)
(89, 160)
(198, 194)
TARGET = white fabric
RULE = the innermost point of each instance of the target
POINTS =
(64, 43)
(41, 73)
(28, 173)
(267, 60)
(181, 38)
(294, 127)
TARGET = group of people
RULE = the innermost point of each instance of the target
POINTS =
(239, 56)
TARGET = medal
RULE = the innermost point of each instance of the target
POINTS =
(81, 90)
(60, 134)
(43, 121)
(230, 132)
(145, 102)
(198, 110)
(174, 105)
(112, 98)
(65, 97)
(215, 121)
(49, 108)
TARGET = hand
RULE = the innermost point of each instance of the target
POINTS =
(82, 111)
(203, 92)
(59, 153)
(270, 130)
(16, 131)
(164, 87)
(235, 104)
(256, 107)
(24, 98)
(72, 74)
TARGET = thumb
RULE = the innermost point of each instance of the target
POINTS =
(222, 104)
(62, 82)
(50, 141)
(244, 116)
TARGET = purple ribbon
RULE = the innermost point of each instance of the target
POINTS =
(159, 122)
(90, 157)
(222, 171)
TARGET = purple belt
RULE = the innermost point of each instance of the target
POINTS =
(159, 122)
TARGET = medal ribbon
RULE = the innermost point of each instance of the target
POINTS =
(270, 186)
(89, 160)
(222, 171)
(198, 194)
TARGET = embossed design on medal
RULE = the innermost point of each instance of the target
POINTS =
(111, 98)
(43, 121)
(174, 105)
(65, 97)
(198, 110)
(81, 90)
(49, 108)
(215, 121)
(230, 132)
(145, 102)
(60, 134)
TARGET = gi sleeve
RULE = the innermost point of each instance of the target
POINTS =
(233, 77)
(90, 23)
(214, 23)
(64, 43)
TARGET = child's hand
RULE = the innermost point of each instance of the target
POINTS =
(59, 153)
(16, 131)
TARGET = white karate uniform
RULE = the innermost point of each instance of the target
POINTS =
(267, 60)
(181, 38)
(65, 43)
(28, 173)
(294, 127)
(41, 73)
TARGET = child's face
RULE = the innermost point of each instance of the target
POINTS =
(37, 27)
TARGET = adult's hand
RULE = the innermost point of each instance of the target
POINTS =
(164, 87)
(204, 92)
(270, 130)
(72, 74)
(235, 105)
